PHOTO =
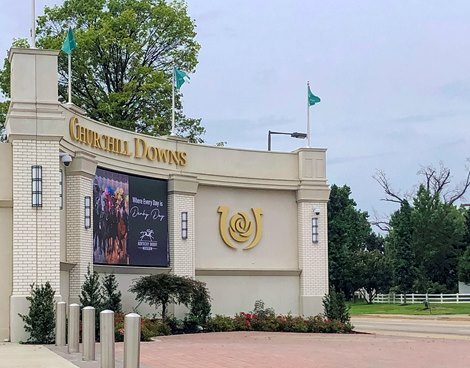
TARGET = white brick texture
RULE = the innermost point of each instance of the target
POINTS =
(79, 239)
(313, 257)
(182, 251)
(36, 230)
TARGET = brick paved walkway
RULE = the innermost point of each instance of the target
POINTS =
(286, 350)
(262, 350)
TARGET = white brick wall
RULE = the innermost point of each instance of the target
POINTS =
(182, 252)
(313, 257)
(79, 239)
(36, 231)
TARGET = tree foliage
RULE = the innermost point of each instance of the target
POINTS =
(111, 295)
(164, 289)
(90, 295)
(400, 251)
(122, 68)
(374, 273)
(428, 234)
(40, 321)
(464, 267)
(348, 233)
(335, 306)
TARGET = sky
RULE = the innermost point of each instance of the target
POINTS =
(393, 78)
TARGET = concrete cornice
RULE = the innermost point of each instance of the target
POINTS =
(246, 272)
(33, 52)
(182, 184)
(29, 137)
(117, 269)
(84, 164)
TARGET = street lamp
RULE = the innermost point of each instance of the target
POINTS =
(293, 135)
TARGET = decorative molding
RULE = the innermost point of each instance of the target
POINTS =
(246, 272)
(130, 269)
(67, 266)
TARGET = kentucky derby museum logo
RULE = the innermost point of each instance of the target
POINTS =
(240, 228)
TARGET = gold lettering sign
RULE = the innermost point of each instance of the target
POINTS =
(82, 134)
(240, 228)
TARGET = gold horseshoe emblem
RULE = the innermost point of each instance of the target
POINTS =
(240, 227)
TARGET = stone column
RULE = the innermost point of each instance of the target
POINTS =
(79, 184)
(312, 199)
(181, 192)
(34, 110)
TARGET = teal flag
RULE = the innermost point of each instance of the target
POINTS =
(312, 99)
(180, 78)
(69, 43)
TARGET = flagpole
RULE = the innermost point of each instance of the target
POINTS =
(173, 104)
(33, 27)
(70, 77)
(308, 117)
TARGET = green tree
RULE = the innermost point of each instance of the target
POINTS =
(464, 267)
(40, 321)
(90, 295)
(335, 307)
(164, 289)
(400, 250)
(161, 290)
(438, 233)
(348, 231)
(426, 240)
(122, 68)
(111, 295)
(374, 273)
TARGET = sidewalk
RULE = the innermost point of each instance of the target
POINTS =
(30, 356)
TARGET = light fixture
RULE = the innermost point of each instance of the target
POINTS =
(61, 193)
(293, 135)
(315, 230)
(184, 225)
(87, 212)
(36, 186)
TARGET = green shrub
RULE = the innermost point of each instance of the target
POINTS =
(40, 321)
(335, 307)
(291, 323)
(111, 297)
(220, 324)
(200, 306)
(90, 296)
(164, 289)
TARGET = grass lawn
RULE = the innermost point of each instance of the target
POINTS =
(412, 309)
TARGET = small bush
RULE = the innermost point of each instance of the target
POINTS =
(111, 297)
(335, 307)
(220, 324)
(290, 323)
(40, 321)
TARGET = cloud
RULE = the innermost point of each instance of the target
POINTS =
(457, 89)
(425, 118)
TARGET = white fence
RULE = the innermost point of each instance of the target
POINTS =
(420, 298)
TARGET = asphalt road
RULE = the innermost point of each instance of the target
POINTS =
(420, 326)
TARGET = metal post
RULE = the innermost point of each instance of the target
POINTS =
(88, 333)
(60, 322)
(269, 140)
(107, 339)
(132, 340)
(74, 328)
(33, 25)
